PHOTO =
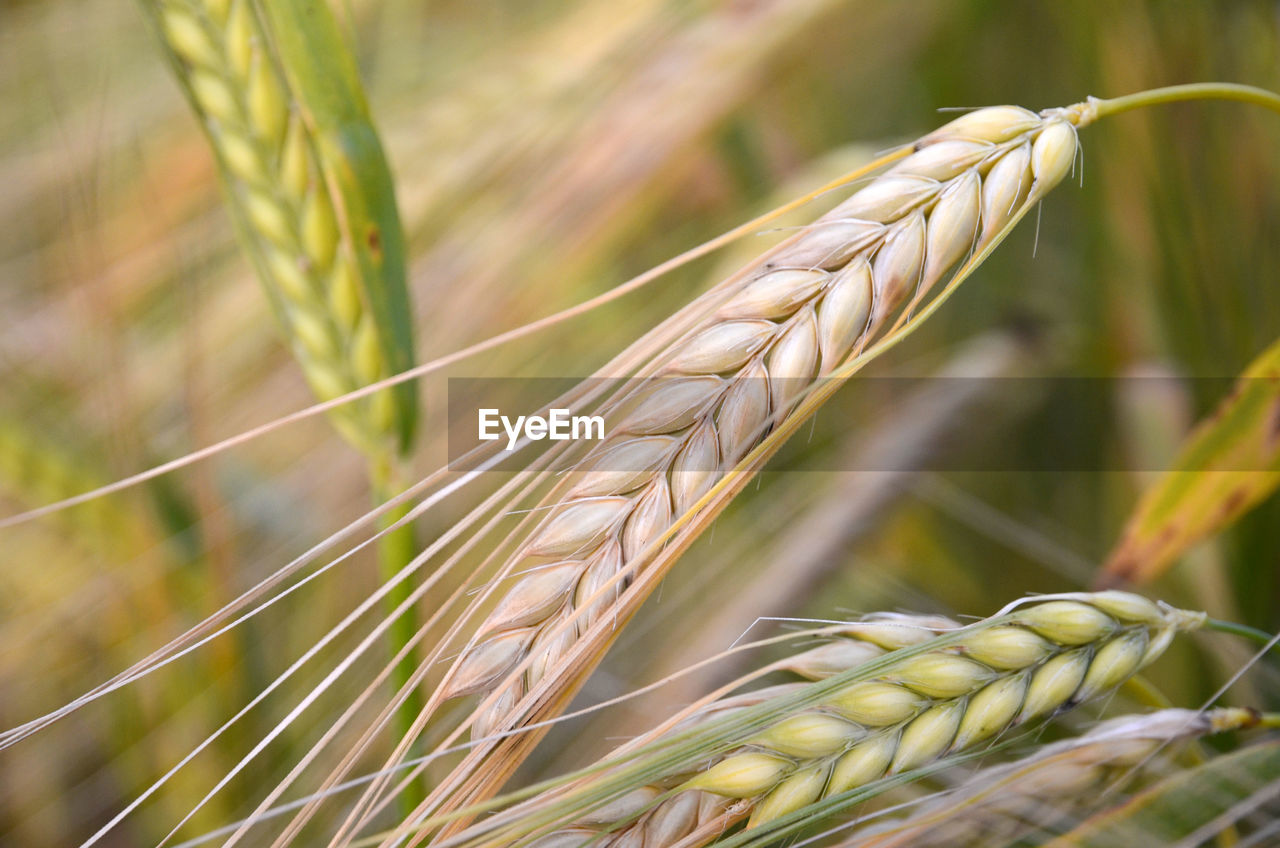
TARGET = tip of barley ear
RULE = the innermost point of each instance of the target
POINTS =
(1182, 619)
(1127, 606)
(1052, 155)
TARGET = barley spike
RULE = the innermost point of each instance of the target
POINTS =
(343, 315)
(932, 702)
(800, 314)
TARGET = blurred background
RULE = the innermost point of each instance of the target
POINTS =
(545, 152)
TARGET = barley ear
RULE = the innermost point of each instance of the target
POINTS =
(736, 381)
(277, 92)
(935, 691)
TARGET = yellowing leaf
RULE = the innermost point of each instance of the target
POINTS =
(1230, 462)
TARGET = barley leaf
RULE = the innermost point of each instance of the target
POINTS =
(1227, 465)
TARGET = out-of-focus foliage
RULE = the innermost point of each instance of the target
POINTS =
(543, 153)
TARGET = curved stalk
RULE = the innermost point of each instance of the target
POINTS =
(1094, 108)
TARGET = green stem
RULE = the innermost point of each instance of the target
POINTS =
(1095, 107)
(396, 549)
(1262, 637)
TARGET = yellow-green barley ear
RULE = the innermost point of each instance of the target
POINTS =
(322, 73)
(279, 96)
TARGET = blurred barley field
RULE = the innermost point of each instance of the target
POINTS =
(543, 153)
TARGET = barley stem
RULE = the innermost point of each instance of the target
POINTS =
(1096, 107)
(1262, 637)
(396, 549)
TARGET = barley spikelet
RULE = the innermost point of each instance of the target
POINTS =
(978, 683)
(822, 297)
(340, 297)
(1002, 804)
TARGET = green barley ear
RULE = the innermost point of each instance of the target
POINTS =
(277, 91)
(936, 690)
